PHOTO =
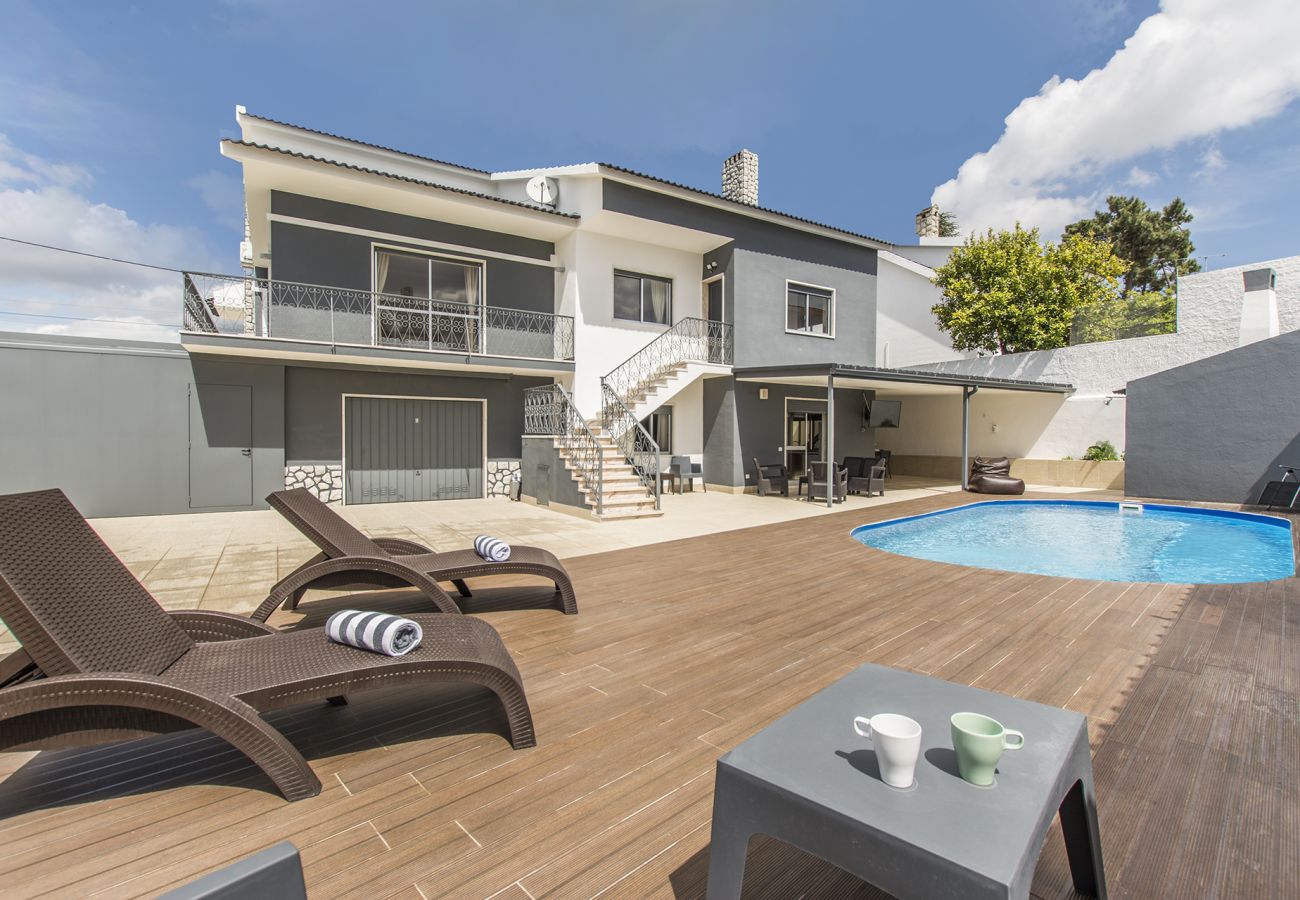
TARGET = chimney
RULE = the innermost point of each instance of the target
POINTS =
(1258, 306)
(740, 177)
(927, 222)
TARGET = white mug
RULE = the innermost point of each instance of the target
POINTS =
(897, 740)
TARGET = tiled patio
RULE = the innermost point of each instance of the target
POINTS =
(680, 651)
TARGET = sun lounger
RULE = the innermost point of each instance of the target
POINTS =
(349, 558)
(101, 661)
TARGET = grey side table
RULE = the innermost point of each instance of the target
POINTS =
(808, 780)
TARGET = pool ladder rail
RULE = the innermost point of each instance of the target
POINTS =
(1131, 506)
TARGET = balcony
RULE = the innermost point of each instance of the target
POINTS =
(262, 310)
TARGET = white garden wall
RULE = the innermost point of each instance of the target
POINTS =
(1209, 321)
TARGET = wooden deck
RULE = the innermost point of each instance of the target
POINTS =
(681, 651)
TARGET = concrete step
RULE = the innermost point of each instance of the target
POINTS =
(616, 514)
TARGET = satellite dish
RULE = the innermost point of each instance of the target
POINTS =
(542, 189)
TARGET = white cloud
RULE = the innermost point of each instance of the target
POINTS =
(1140, 177)
(1193, 69)
(1211, 161)
(44, 202)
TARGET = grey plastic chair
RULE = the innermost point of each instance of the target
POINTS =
(687, 472)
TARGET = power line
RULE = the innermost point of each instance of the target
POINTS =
(5, 312)
(125, 262)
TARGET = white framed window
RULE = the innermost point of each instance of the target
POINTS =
(643, 298)
(809, 309)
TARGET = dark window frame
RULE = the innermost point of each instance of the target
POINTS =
(651, 424)
(645, 279)
(807, 291)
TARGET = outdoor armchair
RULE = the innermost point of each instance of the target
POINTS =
(102, 661)
(870, 481)
(817, 481)
(348, 558)
(772, 477)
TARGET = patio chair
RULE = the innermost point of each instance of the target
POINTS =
(687, 472)
(350, 559)
(817, 481)
(101, 661)
(772, 477)
(883, 458)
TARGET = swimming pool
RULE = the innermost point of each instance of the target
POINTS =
(1102, 541)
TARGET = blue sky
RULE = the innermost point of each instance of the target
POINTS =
(111, 112)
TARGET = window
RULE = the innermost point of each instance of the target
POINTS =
(809, 310)
(659, 424)
(643, 298)
(427, 301)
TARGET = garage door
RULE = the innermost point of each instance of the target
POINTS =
(399, 448)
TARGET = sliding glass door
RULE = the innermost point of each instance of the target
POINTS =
(427, 302)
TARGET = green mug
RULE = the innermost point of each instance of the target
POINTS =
(979, 742)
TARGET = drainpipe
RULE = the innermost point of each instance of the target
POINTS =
(831, 479)
(966, 394)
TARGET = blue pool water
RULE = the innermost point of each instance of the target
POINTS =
(1096, 540)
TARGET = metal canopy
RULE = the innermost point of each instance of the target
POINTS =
(892, 379)
(893, 382)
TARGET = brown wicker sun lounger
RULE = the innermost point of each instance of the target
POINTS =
(350, 559)
(101, 661)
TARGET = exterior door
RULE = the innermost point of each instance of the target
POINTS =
(399, 449)
(712, 297)
(221, 445)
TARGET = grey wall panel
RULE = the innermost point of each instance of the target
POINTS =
(221, 445)
(747, 232)
(314, 403)
(335, 213)
(1216, 429)
(108, 421)
(722, 459)
(757, 286)
(761, 423)
(545, 477)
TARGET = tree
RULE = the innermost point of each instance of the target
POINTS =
(948, 224)
(1007, 292)
(1155, 244)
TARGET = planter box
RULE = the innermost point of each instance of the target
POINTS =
(1102, 475)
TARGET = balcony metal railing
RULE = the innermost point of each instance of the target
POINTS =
(633, 441)
(549, 410)
(262, 308)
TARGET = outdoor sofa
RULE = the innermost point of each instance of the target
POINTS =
(817, 481)
(102, 661)
(350, 559)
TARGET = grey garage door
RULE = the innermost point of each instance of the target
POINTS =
(400, 449)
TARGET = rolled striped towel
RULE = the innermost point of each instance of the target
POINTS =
(377, 632)
(492, 549)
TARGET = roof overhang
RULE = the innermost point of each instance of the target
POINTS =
(268, 168)
(894, 382)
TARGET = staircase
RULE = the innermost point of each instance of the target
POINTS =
(615, 462)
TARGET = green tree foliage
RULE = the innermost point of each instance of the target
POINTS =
(948, 226)
(1155, 244)
(1006, 291)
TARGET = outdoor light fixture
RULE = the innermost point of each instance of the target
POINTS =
(762, 393)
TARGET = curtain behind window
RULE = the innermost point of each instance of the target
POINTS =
(658, 301)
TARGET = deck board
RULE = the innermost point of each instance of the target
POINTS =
(681, 651)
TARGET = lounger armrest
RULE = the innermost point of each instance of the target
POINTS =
(205, 625)
(400, 547)
(18, 666)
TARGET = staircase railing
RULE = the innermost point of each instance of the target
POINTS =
(549, 410)
(633, 441)
(690, 340)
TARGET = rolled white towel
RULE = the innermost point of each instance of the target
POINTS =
(492, 549)
(376, 632)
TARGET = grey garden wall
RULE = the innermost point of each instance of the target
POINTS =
(320, 256)
(545, 477)
(108, 421)
(314, 406)
(1216, 429)
(739, 427)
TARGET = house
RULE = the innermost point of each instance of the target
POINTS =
(410, 300)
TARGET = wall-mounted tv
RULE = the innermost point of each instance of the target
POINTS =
(884, 413)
